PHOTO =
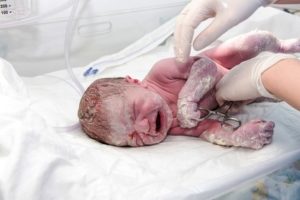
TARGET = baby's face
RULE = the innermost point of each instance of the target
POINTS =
(141, 118)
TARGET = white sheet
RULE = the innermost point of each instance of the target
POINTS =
(39, 162)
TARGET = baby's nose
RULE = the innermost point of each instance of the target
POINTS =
(142, 126)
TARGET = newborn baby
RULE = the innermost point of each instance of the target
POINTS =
(129, 112)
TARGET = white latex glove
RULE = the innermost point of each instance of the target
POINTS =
(243, 82)
(227, 13)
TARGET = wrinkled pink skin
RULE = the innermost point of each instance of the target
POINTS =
(184, 89)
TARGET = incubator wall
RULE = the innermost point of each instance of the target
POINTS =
(11, 10)
(103, 27)
(44, 155)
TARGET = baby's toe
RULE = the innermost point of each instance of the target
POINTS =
(267, 129)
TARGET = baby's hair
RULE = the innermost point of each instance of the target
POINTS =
(92, 114)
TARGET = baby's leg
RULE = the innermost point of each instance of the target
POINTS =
(246, 46)
(254, 134)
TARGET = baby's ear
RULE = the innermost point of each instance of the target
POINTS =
(132, 80)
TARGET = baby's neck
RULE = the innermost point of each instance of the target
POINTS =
(161, 91)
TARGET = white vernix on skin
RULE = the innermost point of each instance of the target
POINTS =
(119, 129)
(169, 116)
(202, 78)
(204, 85)
(166, 116)
(188, 112)
(267, 42)
(122, 123)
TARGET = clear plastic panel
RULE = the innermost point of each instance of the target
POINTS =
(102, 29)
(15, 9)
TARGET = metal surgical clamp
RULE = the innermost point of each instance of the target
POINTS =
(223, 117)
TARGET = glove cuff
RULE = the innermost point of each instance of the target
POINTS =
(269, 60)
(267, 2)
(263, 92)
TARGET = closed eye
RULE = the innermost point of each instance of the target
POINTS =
(134, 111)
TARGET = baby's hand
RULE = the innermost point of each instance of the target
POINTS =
(187, 113)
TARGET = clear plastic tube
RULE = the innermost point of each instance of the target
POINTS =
(73, 126)
(67, 128)
(68, 42)
(33, 19)
(67, 45)
(67, 48)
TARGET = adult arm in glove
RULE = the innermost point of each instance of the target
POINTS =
(273, 75)
(227, 13)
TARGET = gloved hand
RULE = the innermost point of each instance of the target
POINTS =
(227, 13)
(243, 82)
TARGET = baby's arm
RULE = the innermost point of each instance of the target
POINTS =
(202, 78)
(246, 46)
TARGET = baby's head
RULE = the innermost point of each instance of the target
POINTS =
(124, 112)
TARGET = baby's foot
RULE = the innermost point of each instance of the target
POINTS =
(254, 134)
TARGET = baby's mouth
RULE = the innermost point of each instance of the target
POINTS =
(158, 122)
(160, 125)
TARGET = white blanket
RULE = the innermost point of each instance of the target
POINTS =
(39, 161)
